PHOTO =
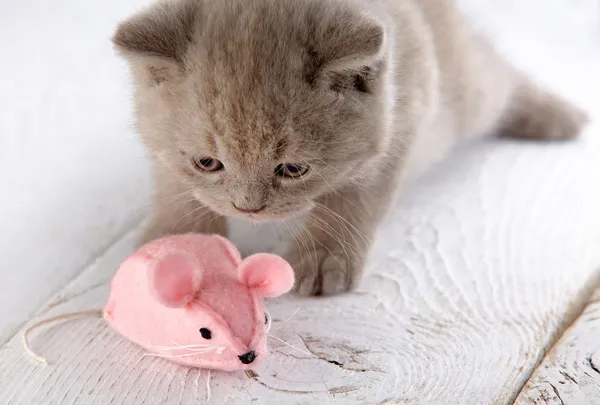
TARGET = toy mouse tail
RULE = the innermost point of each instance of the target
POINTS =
(27, 346)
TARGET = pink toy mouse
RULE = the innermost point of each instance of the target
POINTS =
(192, 299)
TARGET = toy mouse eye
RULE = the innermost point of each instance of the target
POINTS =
(206, 334)
(267, 321)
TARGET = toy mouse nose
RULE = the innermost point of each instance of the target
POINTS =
(248, 357)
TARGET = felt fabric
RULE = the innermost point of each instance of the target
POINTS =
(192, 299)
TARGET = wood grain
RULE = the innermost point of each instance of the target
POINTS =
(570, 373)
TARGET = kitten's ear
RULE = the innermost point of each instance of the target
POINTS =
(156, 39)
(351, 52)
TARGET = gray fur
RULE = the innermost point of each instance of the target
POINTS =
(368, 93)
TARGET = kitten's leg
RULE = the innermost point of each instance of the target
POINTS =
(535, 113)
(176, 211)
(329, 253)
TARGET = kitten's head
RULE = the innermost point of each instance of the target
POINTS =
(260, 106)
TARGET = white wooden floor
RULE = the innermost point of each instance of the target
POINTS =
(570, 373)
(475, 280)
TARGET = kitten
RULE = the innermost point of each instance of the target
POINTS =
(269, 109)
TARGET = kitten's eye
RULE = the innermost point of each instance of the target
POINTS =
(206, 334)
(266, 318)
(360, 84)
(292, 170)
(207, 164)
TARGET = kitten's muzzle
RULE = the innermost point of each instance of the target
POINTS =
(248, 210)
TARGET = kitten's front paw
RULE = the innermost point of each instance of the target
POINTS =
(322, 272)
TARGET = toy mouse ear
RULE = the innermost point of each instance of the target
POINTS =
(268, 275)
(174, 279)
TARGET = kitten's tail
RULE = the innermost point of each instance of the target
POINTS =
(536, 113)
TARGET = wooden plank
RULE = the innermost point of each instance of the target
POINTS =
(570, 373)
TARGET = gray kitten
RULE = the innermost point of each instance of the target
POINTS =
(270, 109)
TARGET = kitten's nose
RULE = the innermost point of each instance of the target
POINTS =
(248, 357)
(248, 210)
